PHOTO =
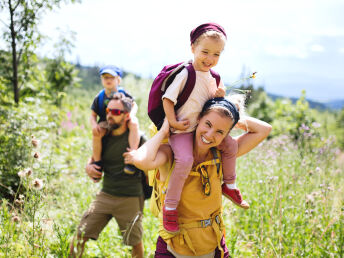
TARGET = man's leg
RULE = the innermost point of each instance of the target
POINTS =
(137, 251)
(80, 247)
(128, 214)
(92, 223)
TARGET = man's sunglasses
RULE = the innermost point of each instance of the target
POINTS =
(115, 111)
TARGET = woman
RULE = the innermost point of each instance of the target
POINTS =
(200, 219)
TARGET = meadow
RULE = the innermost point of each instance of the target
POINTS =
(293, 181)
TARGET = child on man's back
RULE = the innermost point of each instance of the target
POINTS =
(110, 78)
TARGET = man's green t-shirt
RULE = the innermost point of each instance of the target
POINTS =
(115, 181)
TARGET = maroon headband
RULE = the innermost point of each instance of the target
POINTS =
(195, 33)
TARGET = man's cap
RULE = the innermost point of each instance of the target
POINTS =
(111, 69)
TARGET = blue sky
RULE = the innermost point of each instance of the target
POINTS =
(293, 45)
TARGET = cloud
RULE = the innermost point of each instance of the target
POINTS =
(317, 48)
(286, 51)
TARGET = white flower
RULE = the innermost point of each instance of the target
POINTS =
(26, 172)
(37, 183)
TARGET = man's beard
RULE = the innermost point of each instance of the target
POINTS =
(113, 125)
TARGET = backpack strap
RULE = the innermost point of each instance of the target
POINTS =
(101, 101)
(189, 86)
(216, 76)
(216, 159)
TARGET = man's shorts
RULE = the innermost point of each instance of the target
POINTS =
(126, 210)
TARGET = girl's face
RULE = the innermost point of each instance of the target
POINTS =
(207, 53)
(212, 129)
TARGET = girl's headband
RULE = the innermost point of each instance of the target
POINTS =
(195, 33)
(222, 102)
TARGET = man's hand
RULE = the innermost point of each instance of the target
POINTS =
(220, 92)
(93, 173)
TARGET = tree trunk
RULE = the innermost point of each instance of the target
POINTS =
(14, 57)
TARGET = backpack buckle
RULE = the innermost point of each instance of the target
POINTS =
(205, 223)
(217, 219)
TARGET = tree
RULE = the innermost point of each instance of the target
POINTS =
(21, 34)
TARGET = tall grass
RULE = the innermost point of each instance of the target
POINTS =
(296, 200)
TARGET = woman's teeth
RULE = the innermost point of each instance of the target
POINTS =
(205, 140)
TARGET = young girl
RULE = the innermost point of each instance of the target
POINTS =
(207, 43)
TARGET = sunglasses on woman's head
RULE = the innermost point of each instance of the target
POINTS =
(115, 111)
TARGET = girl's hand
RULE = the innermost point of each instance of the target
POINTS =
(220, 92)
(181, 125)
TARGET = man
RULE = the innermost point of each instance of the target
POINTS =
(121, 196)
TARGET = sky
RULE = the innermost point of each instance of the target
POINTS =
(292, 45)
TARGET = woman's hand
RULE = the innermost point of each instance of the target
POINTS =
(165, 128)
(129, 156)
(220, 92)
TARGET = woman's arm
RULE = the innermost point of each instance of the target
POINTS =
(257, 131)
(151, 154)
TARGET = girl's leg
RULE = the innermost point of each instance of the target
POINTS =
(229, 149)
(182, 147)
(134, 134)
(97, 145)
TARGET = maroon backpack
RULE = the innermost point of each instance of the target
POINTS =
(160, 84)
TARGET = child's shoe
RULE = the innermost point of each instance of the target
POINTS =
(235, 196)
(170, 220)
(131, 169)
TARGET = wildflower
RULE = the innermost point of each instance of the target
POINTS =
(316, 124)
(37, 183)
(26, 172)
(15, 219)
(304, 127)
(309, 199)
(36, 155)
(21, 173)
(18, 202)
(34, 141)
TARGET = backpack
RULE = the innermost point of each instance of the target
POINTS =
(163, 81)
(159, 189)
(193, 232)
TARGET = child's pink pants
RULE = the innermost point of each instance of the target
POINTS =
(182, 146)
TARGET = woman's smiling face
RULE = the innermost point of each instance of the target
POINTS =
(212, 129)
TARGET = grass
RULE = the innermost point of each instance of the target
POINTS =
(296, 197)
